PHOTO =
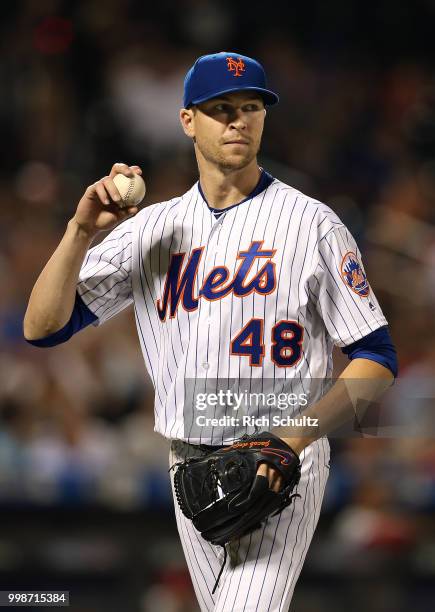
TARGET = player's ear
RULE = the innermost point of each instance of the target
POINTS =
(187, 121)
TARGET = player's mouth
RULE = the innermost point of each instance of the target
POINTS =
(237, 142)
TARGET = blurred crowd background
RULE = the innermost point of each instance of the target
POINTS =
(84, 495)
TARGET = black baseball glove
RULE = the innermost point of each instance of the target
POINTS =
(222, 493)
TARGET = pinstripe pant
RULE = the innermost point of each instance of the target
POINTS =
(263, 567)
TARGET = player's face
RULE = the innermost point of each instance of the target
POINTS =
(227, 130)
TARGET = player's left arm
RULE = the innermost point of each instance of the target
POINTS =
(371, 371)
(363, 379)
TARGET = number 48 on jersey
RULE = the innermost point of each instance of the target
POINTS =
(286, 343)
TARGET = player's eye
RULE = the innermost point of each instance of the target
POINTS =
(252, 107)
(229, 109)
(222, 107)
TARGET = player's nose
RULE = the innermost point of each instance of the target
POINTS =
(238, 119)
(238, 125)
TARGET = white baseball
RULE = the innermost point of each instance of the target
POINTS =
(131, 189)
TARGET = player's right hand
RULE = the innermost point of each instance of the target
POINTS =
(98, 208)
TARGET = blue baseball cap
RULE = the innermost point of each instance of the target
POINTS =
(224, 72)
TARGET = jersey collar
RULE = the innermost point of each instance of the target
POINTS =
(263, 182)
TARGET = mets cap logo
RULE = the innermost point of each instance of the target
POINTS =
(353, 274)
(236, 66)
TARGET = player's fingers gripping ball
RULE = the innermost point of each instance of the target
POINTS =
(132, 189)
(223, 494)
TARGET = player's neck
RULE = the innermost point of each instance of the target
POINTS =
(223, 189)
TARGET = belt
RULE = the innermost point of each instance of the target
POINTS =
(206, 448)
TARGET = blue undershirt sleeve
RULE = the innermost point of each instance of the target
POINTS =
(81, 317)
(378, 347)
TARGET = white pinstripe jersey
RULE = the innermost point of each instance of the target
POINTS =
(264, 291)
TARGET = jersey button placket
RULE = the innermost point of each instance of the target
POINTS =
(211, 262)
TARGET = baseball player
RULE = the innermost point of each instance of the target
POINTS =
(242, 279)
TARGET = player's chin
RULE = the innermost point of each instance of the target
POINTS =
(236, 161)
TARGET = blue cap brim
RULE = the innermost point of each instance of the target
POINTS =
(268, 96)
